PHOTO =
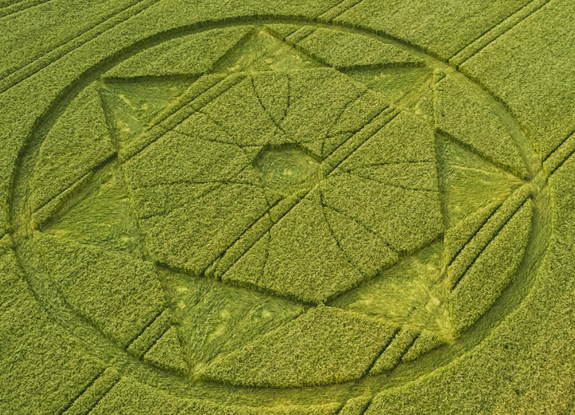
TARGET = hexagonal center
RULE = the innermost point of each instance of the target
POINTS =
(287, 167)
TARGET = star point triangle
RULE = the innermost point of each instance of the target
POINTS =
(131, 104)
(261, 51)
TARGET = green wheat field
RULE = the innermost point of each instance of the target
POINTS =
(254, 207)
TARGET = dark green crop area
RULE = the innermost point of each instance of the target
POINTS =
(309, 207)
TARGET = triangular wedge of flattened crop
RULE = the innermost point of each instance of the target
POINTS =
(99, 213)
(460, 172)
(131, 105)
(216, 319)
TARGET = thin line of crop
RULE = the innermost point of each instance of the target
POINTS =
(468, 267)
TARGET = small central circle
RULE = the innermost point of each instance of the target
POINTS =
(287, 167)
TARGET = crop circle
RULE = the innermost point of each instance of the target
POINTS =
(247, 192)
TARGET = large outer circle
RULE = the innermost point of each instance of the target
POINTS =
(405, 373)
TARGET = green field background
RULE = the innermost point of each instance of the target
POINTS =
(522, 52)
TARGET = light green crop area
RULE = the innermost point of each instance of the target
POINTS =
(323, 207)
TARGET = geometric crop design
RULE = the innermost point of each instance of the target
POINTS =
(224, 220)
(238, 194)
